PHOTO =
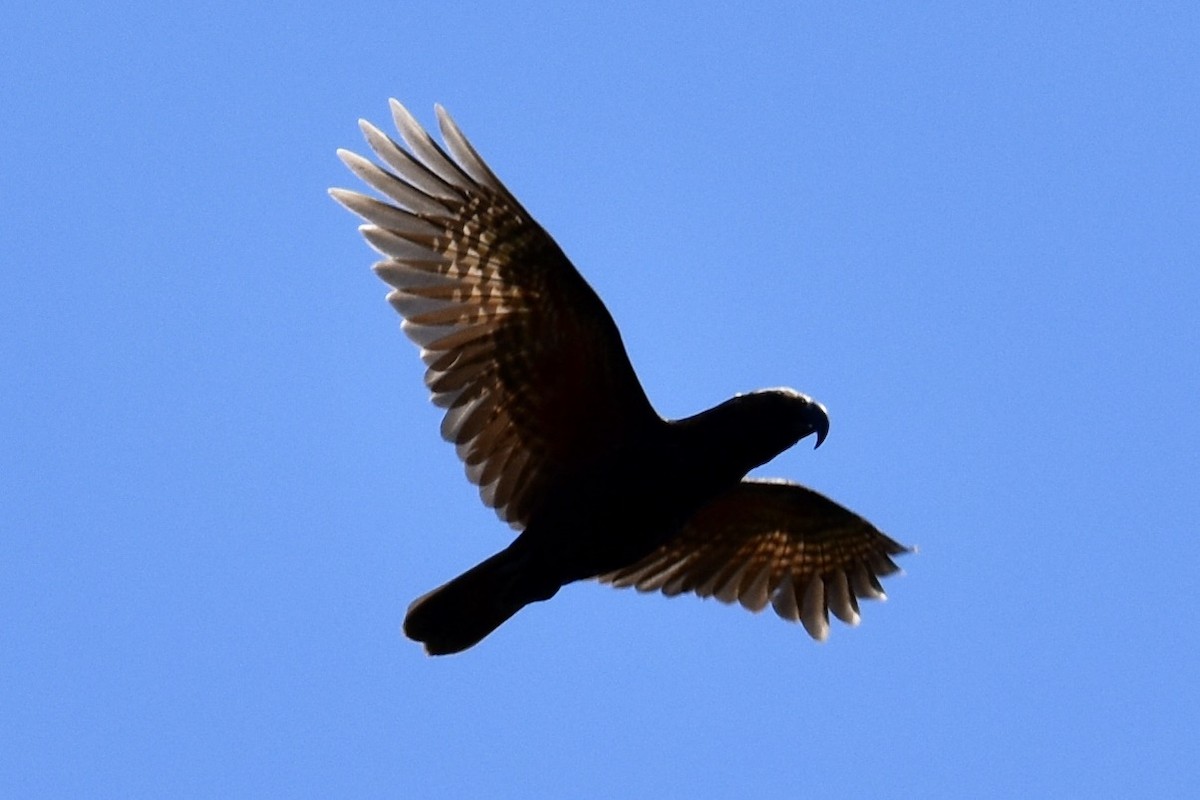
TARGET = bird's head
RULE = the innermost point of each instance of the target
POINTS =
(753, 428)
(789, 413)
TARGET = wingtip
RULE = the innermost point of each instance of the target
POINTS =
(401, 115)
(818, 630)
(445, 121)
(353, 161)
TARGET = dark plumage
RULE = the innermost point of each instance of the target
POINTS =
(544, 408)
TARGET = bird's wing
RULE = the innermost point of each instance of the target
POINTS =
(772, 542)
(520, 351)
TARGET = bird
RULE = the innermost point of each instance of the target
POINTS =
(544, 408)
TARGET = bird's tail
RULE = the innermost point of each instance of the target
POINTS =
(459, 614)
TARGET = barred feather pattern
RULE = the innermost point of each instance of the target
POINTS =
(772, 542)
(520, 352)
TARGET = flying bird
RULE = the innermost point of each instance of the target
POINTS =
(545, 410)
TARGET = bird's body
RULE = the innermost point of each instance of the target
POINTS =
(637, 496)
(555, 428)
(640, 493)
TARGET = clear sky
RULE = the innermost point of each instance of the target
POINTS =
(971, 230)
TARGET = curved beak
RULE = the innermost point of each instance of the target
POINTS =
(819, 421)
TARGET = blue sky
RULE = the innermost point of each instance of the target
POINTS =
(971, 230)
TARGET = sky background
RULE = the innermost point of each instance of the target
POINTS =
(971, 230)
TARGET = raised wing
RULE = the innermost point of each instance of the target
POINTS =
(773, 542)
(520, 351)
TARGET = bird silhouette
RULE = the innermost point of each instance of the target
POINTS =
(543, 407)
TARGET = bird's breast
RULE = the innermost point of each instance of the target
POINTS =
(617, 510)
